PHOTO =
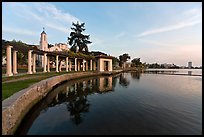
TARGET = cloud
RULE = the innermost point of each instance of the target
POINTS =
(45, 14)
(119, 35)
(19, 31)
(194, 17)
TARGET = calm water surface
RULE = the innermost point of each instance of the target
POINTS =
(128, 103)
(180, 71)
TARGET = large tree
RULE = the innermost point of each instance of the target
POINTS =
(123, 58)
(77, 40)
(136, 62)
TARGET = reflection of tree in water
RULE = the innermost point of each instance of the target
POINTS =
(78, 105)
(123, 81)
(135, 75)
(114, 81)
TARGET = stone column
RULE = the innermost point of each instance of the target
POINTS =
(91, 64)
(110, 66)
(83, 65)
(75, 64)
(67, 59)
(45, 62)
(48, 64)
(8, 61)
(94, 65)
(30, 62)
(70, 65)
(86, 65)
(34, 63)
(56, 63)
(15, 62)
(60, 66)
(79, 65)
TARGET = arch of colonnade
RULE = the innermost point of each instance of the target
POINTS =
(33, 51)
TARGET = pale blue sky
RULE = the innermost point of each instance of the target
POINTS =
(155, 32)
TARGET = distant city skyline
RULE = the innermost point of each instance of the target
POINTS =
(155, 32)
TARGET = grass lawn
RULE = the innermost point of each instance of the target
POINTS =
(24, 81)
(9, 89)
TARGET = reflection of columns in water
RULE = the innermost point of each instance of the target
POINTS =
(56, 98)
(105, 83)
(110, 82)
(67, 91)
(75, 87)
(84, 85)
(91, 83)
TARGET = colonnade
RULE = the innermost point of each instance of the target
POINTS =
(46, 66)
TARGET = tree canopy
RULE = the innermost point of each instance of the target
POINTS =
(136, 62)
(123, 58)
(77, 40)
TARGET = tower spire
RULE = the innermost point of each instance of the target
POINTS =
(43, 32)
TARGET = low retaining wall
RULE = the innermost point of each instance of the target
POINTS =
(16, 107)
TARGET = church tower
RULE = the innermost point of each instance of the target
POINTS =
(43, 45)
(43, 41)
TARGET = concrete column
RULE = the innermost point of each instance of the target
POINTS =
(8, 61)
(15, 62)
(48, 64)
(67, 59)
(79, 65)
(60, 67)
(75, 64)
(91, 64)
(45, 62)
(110, 66)
(86, 65)
(34, 63)
(94, 65)
(83, 65)
(30, 62)
(56, 63)
(70, 65)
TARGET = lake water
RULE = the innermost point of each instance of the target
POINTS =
(127, 103)
(179, 71)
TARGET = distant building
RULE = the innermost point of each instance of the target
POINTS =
(59, 47)
(189, 64)
(167, 65)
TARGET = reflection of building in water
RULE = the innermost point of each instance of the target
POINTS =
(189, 72)
(105, 84)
